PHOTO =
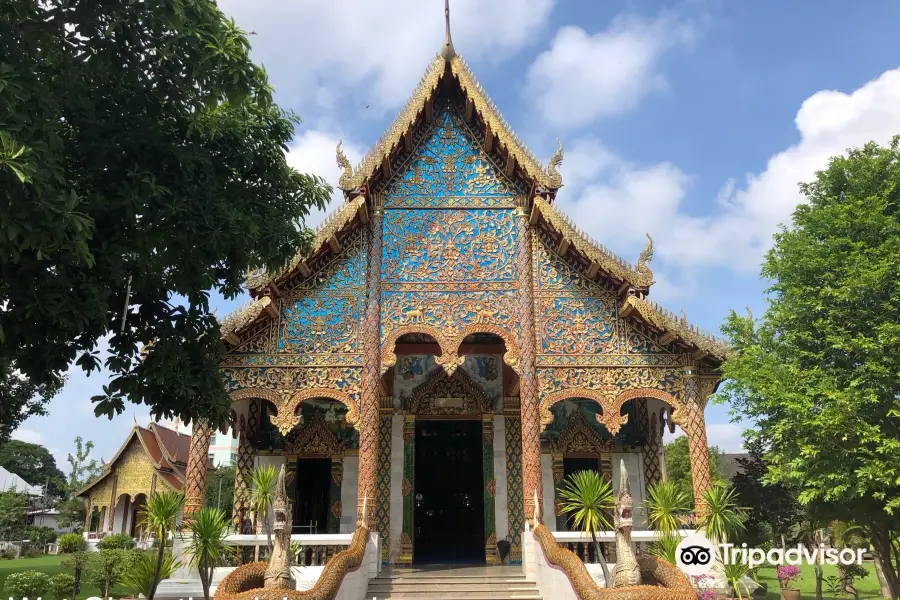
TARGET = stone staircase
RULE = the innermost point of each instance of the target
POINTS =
(452, 583)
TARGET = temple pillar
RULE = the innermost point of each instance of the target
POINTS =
(334, 494)
(196, 471)
(490, 490)
(111, 513)
(652, 451)
(696, 392)
(405, 555)
(243, 468)
(87, 513)
(528, 384)
(371, 375)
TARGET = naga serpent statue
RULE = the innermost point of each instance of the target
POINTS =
(273, 581)
(635, 576)
(278, 573)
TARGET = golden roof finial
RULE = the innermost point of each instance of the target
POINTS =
(448, 52)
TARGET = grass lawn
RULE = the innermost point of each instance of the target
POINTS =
(50, 564)
(867, 587)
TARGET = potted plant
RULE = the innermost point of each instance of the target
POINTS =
(787, 575)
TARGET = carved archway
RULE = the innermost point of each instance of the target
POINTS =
(315, 438)
(611, 402)
(510, 357)
(271, 395)
(441, 384)
(600, 398)
(446, 359)
(286, 417)
(579, 436)
(676, 413)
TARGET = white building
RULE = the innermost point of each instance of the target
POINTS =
(223, 449)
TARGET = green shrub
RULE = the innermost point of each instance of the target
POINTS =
(70, 542)
(139, 575)
(62, 586)
(40, 535)
(30, 584)
(105, 569)
(117, 541)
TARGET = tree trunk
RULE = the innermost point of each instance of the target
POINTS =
(882, 580)
(882, 552)
(607, 580)
(205, 577)
(159, 561)
(817, 567)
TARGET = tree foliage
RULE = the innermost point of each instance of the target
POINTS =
(34, 464)
(678, 465)
(820, 372)
(142, 166)
(13, 506)
(83, 469)
(222, 478)
(21, 397)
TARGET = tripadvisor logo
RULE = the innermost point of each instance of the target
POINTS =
(695, 555)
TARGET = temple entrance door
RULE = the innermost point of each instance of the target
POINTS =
(449, 495)
(311, 502)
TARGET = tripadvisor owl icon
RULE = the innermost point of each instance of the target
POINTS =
(695, 555)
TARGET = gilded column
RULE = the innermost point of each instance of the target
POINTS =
(247, 427)
(111, 513)
(528, 385)
(87, 513)
(368, 409)
(195, 473)
(334, 494)
(558, 475)
(696, 392)
(490, 489)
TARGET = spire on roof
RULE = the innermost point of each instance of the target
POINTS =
(448, 52)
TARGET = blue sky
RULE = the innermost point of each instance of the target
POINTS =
(691, 120)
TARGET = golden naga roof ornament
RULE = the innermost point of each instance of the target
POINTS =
(645, 257)
(343, 163)
(555, 161)
(448, 51)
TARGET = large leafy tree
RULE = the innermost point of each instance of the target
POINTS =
(677, 455)
(220, 488)
(820, 371)
(34, 464)
(142, 166)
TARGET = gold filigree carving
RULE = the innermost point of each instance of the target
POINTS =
(314, 438)
(424, 399)
(579, 436)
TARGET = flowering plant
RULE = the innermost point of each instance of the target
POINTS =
(786, 575)
(702, 584)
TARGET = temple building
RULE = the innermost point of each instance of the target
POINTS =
(453, 346)
(151, 458)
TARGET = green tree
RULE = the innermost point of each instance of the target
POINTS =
(34, 464)
(82, 471)
(207, 547)
(221, 479)
(13, 506)
(587, 498)
(262, 493)
(678, 465)
(159, 515)
(71, 513)
(142, 167)
(819, 373)
(105, 569)
(770, 507)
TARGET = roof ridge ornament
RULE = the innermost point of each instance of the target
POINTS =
(555, 161)
(448, 51)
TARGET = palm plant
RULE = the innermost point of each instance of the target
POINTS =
(723, 518)
(138, 577)
(587, 498)
(734, 573)
(207, 548)
(667, 505)
(159, 516)
(262, 492)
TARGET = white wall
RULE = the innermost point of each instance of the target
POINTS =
(547, 512)
(348, 494)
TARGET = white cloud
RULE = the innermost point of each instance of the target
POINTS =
(617, 202)
(314, 152)
(378, 49)
(24, 434)
(584, 77)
